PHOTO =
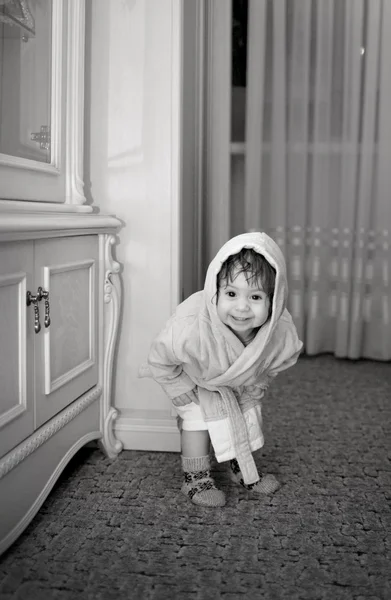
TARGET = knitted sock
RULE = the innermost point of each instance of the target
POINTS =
(267, 484)
(198, 484)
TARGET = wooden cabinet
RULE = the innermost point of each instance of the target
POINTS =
(59, 283)
(56, 352)
(43, 372)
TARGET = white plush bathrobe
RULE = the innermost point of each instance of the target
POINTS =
(196, 349)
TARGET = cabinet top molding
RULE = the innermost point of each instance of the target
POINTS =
(16, 226)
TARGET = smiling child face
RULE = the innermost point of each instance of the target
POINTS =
(242, 305)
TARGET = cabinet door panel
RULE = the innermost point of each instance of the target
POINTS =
(16, 344)
(67, 366)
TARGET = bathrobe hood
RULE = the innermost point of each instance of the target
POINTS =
(197, 350)
(260, 351)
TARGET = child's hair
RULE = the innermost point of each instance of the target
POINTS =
(255, 268)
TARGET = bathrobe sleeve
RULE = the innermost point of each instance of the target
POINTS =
(165, 368)
(284, 348)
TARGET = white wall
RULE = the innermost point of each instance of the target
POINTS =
(132, 171)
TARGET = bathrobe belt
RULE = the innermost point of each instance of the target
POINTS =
(237, 427)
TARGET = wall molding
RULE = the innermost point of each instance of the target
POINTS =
(154, 431)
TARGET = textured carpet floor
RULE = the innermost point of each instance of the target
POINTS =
(121, 530)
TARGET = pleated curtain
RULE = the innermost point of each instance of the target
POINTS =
(317, 171)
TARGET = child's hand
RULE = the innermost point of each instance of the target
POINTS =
(187, 398)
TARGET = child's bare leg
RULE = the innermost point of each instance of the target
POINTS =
(195, 443)
(199, 485)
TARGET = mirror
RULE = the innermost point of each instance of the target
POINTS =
(25, 78)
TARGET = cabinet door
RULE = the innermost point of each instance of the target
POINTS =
(16, 344)
(66, 351)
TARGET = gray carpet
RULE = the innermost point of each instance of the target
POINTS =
(121, 530)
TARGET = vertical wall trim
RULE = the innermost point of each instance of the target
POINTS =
(192, 144)
(176, 150)
(218, 139)
(200, 141)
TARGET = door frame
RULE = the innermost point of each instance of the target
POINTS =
(205, 136)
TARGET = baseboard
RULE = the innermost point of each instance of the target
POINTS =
(147, 430)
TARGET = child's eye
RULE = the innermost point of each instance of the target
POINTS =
(231, 294)
(256, 297)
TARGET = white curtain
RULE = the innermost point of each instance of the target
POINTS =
(318, 163)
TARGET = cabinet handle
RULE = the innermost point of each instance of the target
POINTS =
(45, 295)
(31, 299)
